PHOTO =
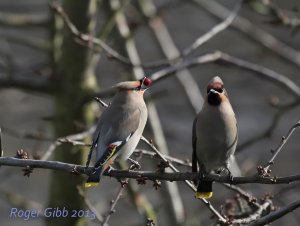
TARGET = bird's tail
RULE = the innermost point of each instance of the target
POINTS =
(94, 178)
(204, 190)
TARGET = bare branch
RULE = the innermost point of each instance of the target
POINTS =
(258, 213)
(113, 205)
(87, 38)
(244, 25)
(28, 41)
(10, 19)
(38, 85)
(247, 196)
(152, 154)
(149, 175)
(168, 46)
(174, 198)
(268, 131)
(207, 203)
(89, 204)
(218, 56)
(281, 16)
(265, 72)
(276, 214)
(213, 31)
(101, 102)
(1, 149)
(284, 139)
(72, 139)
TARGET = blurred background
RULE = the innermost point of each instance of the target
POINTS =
(49, 76)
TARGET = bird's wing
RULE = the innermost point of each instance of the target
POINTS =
(117, 124)
(194, 142)
(110, 151)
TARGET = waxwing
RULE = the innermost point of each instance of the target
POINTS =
(215, 135)
(120, 127)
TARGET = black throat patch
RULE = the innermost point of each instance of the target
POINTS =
(214, 99)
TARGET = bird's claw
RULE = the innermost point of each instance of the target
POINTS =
(110, 168)
(135, 164)
(229, 175)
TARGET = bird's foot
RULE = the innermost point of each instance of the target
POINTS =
(88, 159)
(109, 168)
(134, 165)
(202, 175)
(229, 175)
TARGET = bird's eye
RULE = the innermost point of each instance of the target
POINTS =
(220, 90)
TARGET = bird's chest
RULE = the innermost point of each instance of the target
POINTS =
(216, 137)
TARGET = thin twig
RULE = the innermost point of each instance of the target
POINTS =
(34, 85)
(98, 42)
(260, 35)
(72, 139)
(101, 102)
(284, 139)
(152, 154)
(89, 204)
(276, 214)
(1, 149)
(28, 41)
(271, 128)
(207, 203)
(281, 16)
(169, 48)
(247, 196)
(267, 73)
(176, 206)
(113, 204)
(257, 214)
(13, 19)
(219, 56)
(213, 31)
(26, 135)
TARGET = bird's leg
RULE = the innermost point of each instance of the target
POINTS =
(135, 164)
(202, 172)
(109, 168)
(89, 158)
(230, 176)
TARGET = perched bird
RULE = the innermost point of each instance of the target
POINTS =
(120, 127)
(215, 136)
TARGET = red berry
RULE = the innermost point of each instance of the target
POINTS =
(147, 81)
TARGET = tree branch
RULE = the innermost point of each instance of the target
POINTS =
(258, 213)
(149, 175)
(38, 85)
(87, 38)
(170, 50)
(89, 204)
(271, 128)
(213, 31)
(284, 139)
(219, 56)
(244, 25)
(1, 149)
(276, 214)
(13, 19)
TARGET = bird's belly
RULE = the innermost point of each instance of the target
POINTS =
(214, 151)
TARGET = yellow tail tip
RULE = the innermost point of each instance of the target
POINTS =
(91, 184)
(203, 195)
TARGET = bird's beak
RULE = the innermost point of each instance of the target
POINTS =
(213, 91)
(144, 89)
